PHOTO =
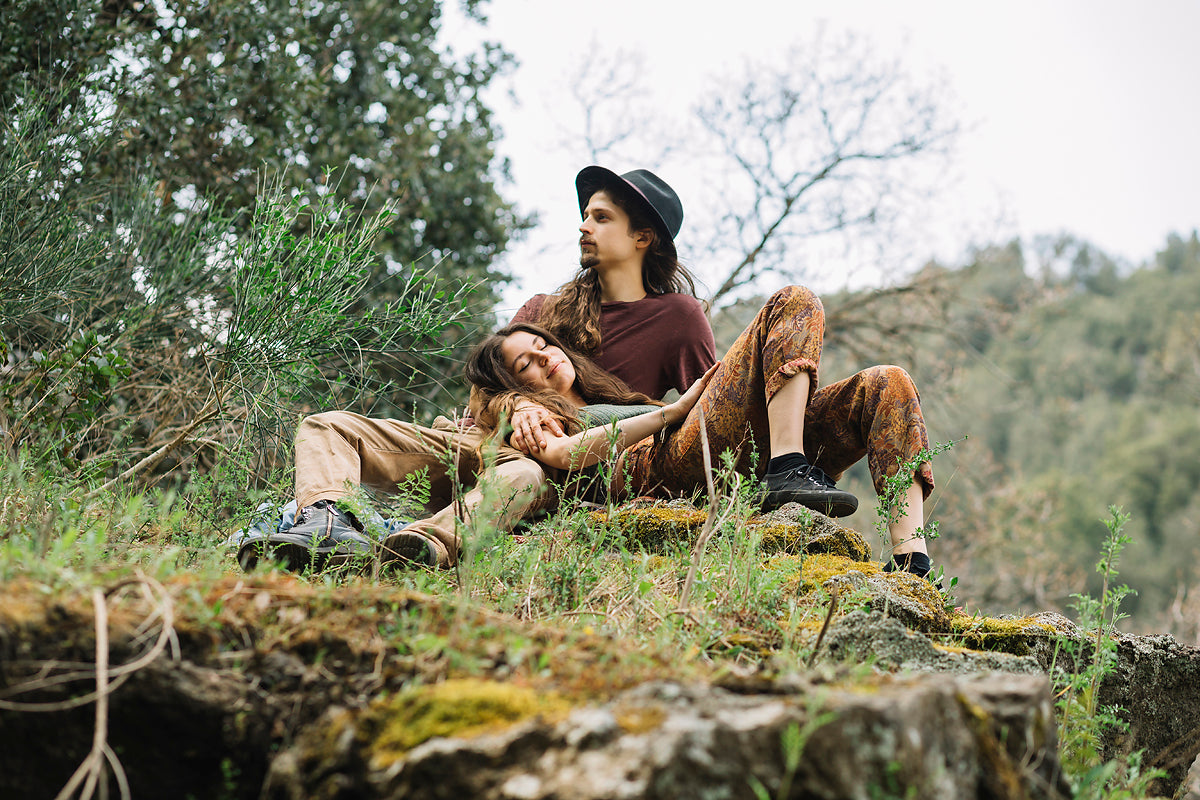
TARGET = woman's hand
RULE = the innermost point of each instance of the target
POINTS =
(530, 424)
(678, 411)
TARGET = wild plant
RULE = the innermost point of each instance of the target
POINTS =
(792, 741)
(1085, 723)
(141, 334)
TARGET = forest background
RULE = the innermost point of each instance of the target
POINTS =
(217, 217)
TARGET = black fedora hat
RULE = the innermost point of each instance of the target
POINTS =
(656, 196)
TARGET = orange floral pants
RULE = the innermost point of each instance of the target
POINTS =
(875, 413)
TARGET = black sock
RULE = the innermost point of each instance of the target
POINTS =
(916, 563)
(786, 463)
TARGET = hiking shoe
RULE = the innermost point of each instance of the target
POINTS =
(323, 536)
(409, 546)
(811, 487)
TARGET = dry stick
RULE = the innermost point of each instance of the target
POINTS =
(709, 521)
(833, 603)
(206, 413)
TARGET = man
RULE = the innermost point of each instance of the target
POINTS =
(628, 310)
(632, 306)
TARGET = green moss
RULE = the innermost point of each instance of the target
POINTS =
(1001, 635)
(460, 708)
(781, 537)
(656, 528)
(813, 538)
(807, 574)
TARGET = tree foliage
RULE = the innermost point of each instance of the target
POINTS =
(133, 342)
(356, 98)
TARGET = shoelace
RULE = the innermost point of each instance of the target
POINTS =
(307, 511)
(816, 475)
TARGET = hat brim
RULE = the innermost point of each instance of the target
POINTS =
(594, 178)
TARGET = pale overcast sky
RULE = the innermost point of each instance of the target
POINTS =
(1084, 113)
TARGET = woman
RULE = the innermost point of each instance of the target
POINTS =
(524, 364)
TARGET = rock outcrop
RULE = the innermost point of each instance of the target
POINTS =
(987, 736)
(273, 687)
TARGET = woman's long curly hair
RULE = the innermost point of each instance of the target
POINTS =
(574, 311)
(495, 391)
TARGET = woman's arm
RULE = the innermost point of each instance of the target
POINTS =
(594, 444)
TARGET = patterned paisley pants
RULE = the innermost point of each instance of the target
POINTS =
(875, 413)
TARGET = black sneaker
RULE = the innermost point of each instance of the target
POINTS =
(323, 536)
(809, 486)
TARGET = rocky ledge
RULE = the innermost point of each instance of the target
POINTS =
(268, 686)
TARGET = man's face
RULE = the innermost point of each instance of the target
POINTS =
(605, 238)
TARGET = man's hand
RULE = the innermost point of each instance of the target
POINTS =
(531, 423)
(677, 411)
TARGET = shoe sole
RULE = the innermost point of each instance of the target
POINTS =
(842, 505)
(410, 547)
(297, 556)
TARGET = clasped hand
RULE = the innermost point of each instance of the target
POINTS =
(532, 423)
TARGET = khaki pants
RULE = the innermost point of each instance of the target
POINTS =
(875, 413)
(338, 450)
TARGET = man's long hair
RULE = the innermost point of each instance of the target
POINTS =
(495, 391)
(574, 312)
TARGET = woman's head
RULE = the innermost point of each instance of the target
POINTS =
(524, 360)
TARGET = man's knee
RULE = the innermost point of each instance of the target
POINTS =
(324, 421)
(896, 379)
(798, 297)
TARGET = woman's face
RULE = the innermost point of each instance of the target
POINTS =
(538, 364)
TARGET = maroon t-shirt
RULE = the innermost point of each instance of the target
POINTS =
(655, 344)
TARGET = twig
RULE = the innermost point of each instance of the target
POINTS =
(205, 414)
(164, 610)
(91, 771)
(833, 603)
(709, 521)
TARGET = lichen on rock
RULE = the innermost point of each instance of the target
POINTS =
(454, 708)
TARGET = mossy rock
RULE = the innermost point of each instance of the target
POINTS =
(805, 574)
(795, 529)
(465, 708)
(863, 584)
(656, 525)
(1011, 634)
